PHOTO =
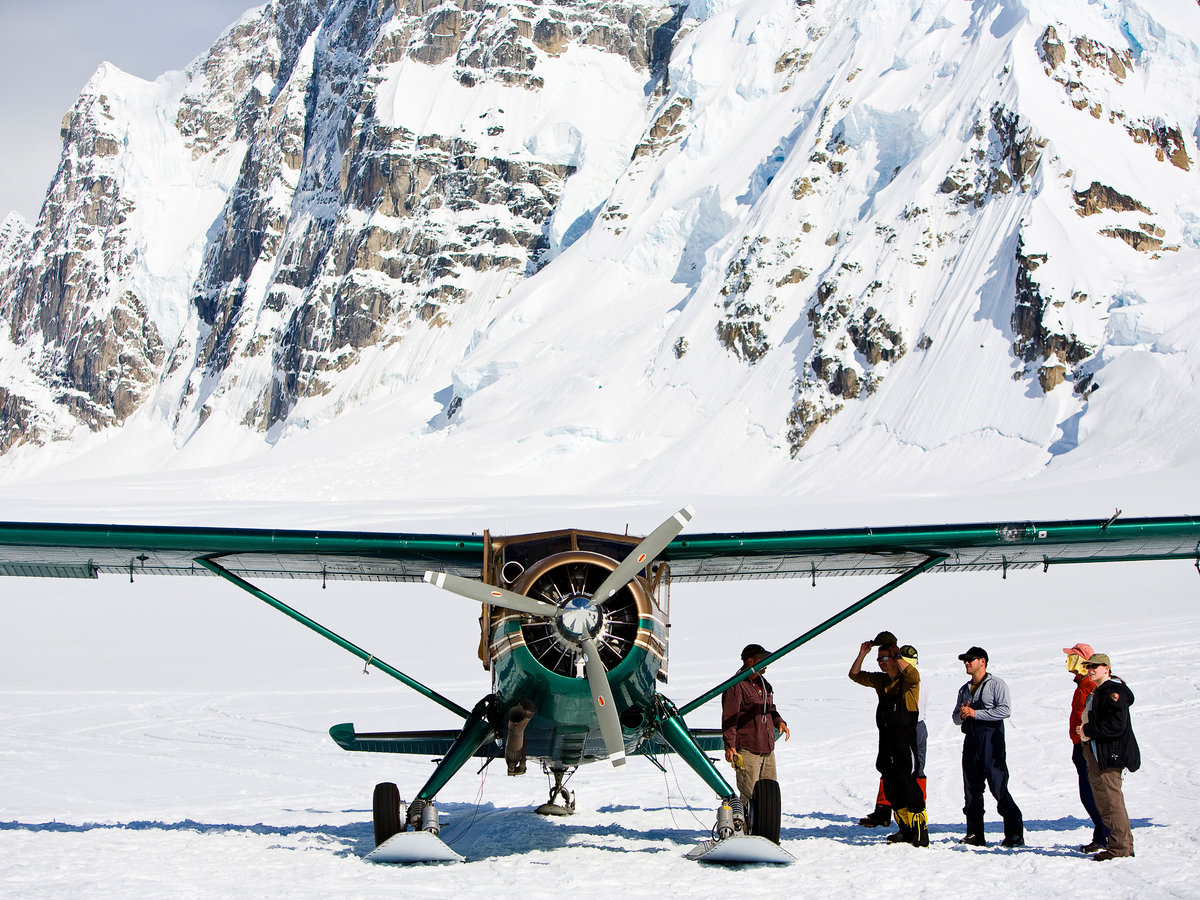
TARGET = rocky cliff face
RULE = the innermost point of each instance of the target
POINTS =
(336, 198)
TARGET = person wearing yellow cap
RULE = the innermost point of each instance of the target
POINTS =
(1077, 656)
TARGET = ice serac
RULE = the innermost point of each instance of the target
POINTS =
(816, 224)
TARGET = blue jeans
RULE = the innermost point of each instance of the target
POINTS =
(1100, 833)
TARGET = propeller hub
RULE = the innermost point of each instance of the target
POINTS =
(579, 618)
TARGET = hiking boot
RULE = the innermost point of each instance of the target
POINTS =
(973, 840)
(1014, 840)
(880, 817)
(1093, 847)
(899, 837)
(920, 830)
(1105, 855)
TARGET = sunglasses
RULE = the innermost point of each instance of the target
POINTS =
(1094, 665)
(884, 658)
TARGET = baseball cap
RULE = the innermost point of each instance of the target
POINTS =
(974, 653)
(752, 650)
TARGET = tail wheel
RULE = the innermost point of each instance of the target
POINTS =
(388, 811)
(766, 810)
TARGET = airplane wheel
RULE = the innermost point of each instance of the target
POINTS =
(766, 809)
(388, 812)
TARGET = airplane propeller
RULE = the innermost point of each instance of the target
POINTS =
(579, 617)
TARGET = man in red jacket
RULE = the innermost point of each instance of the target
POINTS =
(1077, 656)
(749, 722)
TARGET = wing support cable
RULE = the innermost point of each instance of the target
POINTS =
(369, 659)
(931, 561)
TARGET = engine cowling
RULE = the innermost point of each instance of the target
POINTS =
(569, 580)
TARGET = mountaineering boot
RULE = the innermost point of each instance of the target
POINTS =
(914, 827)
(903, 833)
(973, 840)
(881, 816)
(921, 829)
(907, 833)
(1094, 847)
(1013, 840)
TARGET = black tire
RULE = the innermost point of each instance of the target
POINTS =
(387, 810)
(765, 810)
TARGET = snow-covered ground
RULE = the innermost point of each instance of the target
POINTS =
(169, 736)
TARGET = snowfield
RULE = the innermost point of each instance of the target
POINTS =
(170, 736)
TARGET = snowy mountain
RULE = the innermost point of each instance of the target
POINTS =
(621, 245)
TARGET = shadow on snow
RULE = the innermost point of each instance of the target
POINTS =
(487, 832)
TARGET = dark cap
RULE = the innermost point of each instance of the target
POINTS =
(884, 639)
(1098, 659)
(974, 653)
(752, 650)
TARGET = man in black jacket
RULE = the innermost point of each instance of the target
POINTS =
(1109, 747)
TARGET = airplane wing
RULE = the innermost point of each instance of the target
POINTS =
(38, 549)
(892, 551)
(84, 551)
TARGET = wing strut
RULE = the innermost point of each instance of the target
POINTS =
(846, 613)
(369, 659)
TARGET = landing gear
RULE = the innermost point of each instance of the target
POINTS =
(562, 801)
(765, 810)
(736, 840)
(406, 835)
(388, 811)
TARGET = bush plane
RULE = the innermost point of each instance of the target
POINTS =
(574, 629)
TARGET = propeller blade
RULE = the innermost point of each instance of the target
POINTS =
(606, 706)
(489, 593)
(643, 553)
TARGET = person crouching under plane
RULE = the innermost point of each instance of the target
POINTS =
(749, 724)
(898, 687)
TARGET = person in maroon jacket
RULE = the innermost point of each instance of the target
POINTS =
(1077, 656)
(749, 723)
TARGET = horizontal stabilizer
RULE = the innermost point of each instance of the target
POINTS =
(417, 743)
(437, 743)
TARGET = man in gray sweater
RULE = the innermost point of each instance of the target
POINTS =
(980, 711)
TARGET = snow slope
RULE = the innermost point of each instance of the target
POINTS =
(803, 168)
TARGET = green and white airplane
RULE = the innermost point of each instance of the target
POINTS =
(574, 628)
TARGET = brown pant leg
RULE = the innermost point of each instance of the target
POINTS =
(753, 768)
(1110, 800)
